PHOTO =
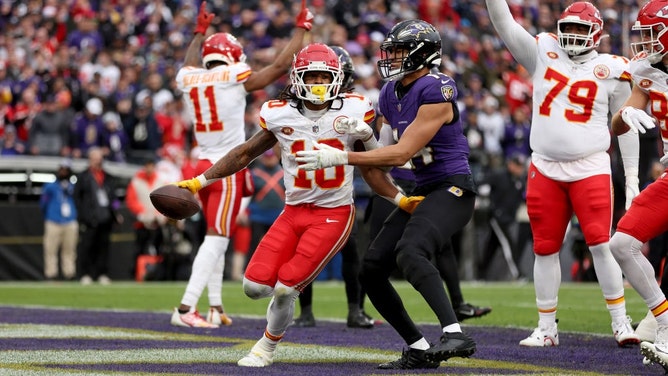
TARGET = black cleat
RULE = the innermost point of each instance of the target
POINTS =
(359, 320)
(469, 311)
(304, 321)
(410, 359)
(451, 345)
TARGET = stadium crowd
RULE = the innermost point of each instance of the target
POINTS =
(78, 74)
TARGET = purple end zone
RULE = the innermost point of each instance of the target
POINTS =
(577, 352)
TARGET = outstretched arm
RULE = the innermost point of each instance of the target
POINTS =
(520, 43)
(237, 158)
(283, 61)
(193, 54)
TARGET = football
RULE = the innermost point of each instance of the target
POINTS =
(174, 202)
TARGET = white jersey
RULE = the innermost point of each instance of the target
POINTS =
(654, 82)
(216, 102)
(329, 187)
(572, 101)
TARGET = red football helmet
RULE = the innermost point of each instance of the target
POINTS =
(652, 22)
(316, 57)
(580, 13)
(222, 47)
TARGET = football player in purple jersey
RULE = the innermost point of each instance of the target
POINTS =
(422, 127)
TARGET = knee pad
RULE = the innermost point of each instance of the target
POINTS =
(624, 246)
(284, 294)
(256, 290)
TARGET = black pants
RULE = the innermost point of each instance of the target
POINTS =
(93, 252)
(410, 242)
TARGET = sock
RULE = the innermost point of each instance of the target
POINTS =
(208, 256)
(547, 279)
(610, 279)
(420, 344)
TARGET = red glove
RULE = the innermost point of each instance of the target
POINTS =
(203, 20)
(304, 18)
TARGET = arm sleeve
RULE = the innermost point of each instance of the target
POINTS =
(385, 135)
(629, 149)
(519, 42)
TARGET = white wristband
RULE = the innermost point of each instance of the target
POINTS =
(203, 181)
(398, 197)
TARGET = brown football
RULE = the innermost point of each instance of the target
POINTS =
(174, 202)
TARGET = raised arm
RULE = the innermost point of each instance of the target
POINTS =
(519, 42)
(193, 54)
(283, 61)
(238, 158)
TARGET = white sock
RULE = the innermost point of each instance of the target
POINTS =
(212, 249)
(547, 280)
(610, 279)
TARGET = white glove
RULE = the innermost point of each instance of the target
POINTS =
(632, 190)
(357, 128)
(637, 119)
(325, 156)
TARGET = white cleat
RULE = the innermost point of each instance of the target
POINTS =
(646, 329)
(542, 337)
(256, 358)
(190, 320)
(653, 355)
(623, 332)
(216, 318)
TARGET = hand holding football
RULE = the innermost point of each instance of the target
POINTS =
(174, 202)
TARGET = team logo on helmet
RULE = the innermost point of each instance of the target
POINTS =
(601, 71)
(663, 12)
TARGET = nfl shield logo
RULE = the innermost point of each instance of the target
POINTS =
(316, 129)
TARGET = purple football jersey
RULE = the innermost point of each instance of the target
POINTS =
(447, 153)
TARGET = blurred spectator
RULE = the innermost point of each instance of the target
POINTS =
(156, 90)
(143, 132)
(506, 187)
(88, 128)
(61, 229)
(148, 221)
(86, 37)
(492, 123)
(50, 133)
(516, 133)
(97, 206)
(11, 145)
(268, 199)
(173, 123)
(115, 141)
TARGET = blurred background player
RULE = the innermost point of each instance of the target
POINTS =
(215, 80)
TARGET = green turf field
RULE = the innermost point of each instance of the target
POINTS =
(581, 305)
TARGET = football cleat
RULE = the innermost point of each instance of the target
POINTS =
(623, 332)
(451, 345)
(359, 320)
(542, 337)
(190, 320)
(218, 318)
(256, 358)
(411, 359)
(646, 329)
(468, 311)
(653, 354)
(305, 320)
